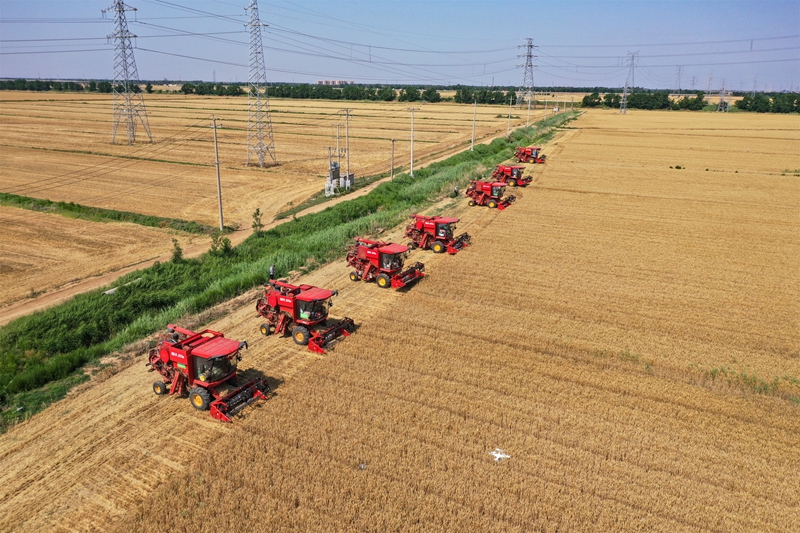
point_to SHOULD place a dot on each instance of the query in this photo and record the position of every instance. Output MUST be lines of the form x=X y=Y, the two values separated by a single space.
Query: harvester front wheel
x=300 y=335
x=159 y=388
x=471 y=203
x=264 y=329
x=200 y=398
x=491 y=204
x=413 y=245
x=437 y=247
x=383 y=281
x=513 y=183
x=354 y=276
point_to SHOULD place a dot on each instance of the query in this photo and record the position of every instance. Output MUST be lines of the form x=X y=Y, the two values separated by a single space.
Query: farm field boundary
x=51 y=345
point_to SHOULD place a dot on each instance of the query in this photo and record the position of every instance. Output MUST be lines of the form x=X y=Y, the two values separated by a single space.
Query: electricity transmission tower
x=128 y=105
x=722 y=105
x=753 y=93
x=680 y=69
x=526 y=88
x=629 y=83
x=259 y=122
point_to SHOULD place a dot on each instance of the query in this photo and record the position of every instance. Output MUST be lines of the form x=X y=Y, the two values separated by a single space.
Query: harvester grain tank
x=204 y=365
x=436 y=233
x=382 y=262
x=529 y=154
x=488 y=193
x=301 y=310
x=511 y=175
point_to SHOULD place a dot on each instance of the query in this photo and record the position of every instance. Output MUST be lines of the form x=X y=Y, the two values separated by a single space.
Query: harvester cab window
x=497 y=191
x=391 y=261
x=516 y=172
x=315 y=310
x=444 y=230
x=214 y=369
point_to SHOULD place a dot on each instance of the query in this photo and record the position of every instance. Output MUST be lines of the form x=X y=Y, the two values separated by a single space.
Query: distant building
x=335 y=82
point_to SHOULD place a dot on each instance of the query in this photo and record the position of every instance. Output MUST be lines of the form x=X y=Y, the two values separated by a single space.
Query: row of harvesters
x=204 y=365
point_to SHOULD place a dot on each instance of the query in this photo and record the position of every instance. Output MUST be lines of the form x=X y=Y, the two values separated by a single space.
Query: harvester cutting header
x=435 y=233
x=382 y=262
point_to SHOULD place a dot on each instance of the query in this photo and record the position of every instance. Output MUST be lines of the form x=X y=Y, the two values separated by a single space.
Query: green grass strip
x=98 y=214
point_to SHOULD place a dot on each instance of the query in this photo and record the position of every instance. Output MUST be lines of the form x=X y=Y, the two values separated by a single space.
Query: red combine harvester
x=298 y=309
x=204 y=364
x=489 y=194
x=435 y=233
x=382 y=262
x=512 y=175
x=530 y=154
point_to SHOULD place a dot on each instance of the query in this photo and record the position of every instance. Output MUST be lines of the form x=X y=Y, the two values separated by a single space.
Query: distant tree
x=612 y=100
x=187 y=88
x=431 y=95
x=92 y=86
x=409 y=94
x=386 y=94
x=591 y=100
x=149 y=88
x=511 y=94
x=258 y=225
x=104 y=87
x=177 y=251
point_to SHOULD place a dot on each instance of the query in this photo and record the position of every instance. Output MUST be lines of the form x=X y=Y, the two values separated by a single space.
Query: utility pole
x=508 y=127
x=680 y=68
x=412 y=109
x=527 y=74
x=346 y=112
x=528 y=121
x=629 y=83
x=219 y=183
x=338 y=150
x=259 y=122
x=694 y=80
x=128 y=105
x=474 y=112
x=392 y=160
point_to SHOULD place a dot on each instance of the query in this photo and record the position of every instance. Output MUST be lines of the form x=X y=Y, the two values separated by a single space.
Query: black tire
x=354 y=276
x=412 y=245
x=300 y=335
x=513 y=183
x=471 y=203
x=159 y=388
x=200 y=398
x=265 y=329
x=383 y=281
x=438 y=247
x=491 y=204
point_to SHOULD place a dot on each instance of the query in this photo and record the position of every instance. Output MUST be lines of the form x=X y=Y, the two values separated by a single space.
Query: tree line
x=779 y=103
x=72 y=86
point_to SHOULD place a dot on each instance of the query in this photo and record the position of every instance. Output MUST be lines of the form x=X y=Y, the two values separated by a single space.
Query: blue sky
x=581 y=43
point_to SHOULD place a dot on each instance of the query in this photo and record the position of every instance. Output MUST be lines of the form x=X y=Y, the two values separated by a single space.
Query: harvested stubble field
x=547 y=338
x=57 y=147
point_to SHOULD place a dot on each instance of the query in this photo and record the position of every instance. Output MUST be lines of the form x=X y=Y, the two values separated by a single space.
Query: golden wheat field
x=579 y=334
x=58 y=147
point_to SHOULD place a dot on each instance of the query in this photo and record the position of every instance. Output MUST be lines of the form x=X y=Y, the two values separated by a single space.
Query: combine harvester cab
x=529 y=154
x=301 y=310
x=489 y=194
x=436 y=233
x=511 y=175
x=204 y=365
x=382 y=262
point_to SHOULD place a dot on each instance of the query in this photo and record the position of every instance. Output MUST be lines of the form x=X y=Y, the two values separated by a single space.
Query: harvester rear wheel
x=159 y=388
x=200 y=398
x=300 y=335
x=491 y=204
x=437 y=247
x=412 y=245
x=354 y=276
x=471 y=203
x=383 y=281
x=265 y=329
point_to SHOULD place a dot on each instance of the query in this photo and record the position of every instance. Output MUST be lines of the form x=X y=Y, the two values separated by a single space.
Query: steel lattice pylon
x=128 y=105
x=259 y=123
x=629 y=82
x=526 y=88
